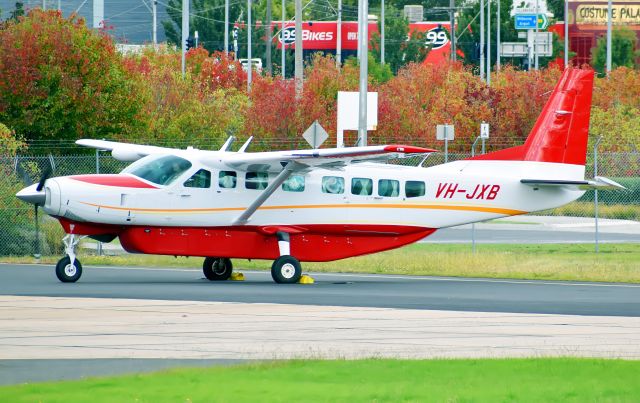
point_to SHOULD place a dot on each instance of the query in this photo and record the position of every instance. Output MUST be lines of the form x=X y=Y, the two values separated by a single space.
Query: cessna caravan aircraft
x=313 y=205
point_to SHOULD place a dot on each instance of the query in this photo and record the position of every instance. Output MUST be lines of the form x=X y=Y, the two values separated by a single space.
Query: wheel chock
x=306 y=279
x=237 y=277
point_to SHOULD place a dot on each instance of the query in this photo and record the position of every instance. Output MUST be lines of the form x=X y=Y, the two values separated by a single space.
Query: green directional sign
x=543 y=21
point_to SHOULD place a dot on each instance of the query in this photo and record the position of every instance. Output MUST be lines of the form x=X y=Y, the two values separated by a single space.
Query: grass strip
x=521 y=380
x=575 y=262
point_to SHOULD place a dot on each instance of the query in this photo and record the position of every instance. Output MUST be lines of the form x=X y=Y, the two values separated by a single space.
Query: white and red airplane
x=314 y=205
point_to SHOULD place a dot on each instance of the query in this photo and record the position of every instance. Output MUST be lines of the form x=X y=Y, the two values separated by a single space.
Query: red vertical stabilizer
x=562 y=129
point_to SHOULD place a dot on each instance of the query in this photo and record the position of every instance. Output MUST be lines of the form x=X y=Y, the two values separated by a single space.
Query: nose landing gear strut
x=69 y=269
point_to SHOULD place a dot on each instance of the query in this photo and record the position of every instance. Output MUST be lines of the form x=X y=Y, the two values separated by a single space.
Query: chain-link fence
x=17 y=219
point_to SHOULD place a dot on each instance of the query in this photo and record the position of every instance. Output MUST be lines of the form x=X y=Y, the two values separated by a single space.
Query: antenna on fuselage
x=227 y=144
x=245 y=145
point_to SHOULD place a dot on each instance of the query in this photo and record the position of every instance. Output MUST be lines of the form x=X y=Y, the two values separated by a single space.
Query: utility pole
x=298 y=52
x=489 y=42
x=226 y=27
x=282 y=58
x=154 y=35
x=60 y=5
x=249 y=61
x=452 y=22
x=185 y=33
x=609 y=24
x=363 y=45
x=498 y=55
x=382 y=32
x=269 y=39
x=339 y=36
x=566 y=33
x=98 y=12
x=44 y=5
x=482 y=40
x=535 y=38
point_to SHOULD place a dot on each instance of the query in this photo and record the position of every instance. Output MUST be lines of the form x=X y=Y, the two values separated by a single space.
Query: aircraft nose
x=31 y=195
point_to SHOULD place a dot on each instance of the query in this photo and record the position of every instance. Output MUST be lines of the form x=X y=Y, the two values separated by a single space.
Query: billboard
x=323 y=35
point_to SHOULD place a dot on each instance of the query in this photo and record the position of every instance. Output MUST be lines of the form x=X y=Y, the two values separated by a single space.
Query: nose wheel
x=217 y=269
x=69 y=269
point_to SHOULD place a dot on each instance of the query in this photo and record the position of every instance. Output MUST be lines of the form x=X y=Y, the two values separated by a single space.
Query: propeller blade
x=24 y=176
x=45 y=175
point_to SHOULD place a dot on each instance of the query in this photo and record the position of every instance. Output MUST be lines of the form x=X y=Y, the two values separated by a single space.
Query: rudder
x=561 y=132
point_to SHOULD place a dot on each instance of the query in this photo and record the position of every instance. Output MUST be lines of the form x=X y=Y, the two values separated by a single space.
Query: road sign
x=315 y=135
x=544 y=46
x=543 y=21
x=484 y=130
x=528 y=21
x=525 y=21
x=444 y=132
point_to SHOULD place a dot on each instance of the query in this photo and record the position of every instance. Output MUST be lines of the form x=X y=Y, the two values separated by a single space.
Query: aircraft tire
x=286 y=270
x=217 y=268
x=67 y=273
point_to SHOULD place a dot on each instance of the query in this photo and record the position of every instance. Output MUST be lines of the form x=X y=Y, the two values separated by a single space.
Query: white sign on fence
x=349 y=112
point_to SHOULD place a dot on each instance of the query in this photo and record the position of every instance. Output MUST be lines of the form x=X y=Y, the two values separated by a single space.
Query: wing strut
x=279 y=180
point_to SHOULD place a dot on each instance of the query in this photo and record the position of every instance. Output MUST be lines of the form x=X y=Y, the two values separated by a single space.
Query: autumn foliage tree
x=60 y=79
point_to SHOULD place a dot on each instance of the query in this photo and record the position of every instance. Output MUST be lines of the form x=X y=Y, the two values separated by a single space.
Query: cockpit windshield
x=161 y=170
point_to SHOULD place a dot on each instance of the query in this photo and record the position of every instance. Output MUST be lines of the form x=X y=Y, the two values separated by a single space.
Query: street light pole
x=566 y=33
x=609 y=24
x=338 y=36
x=364 y=50
x=226 y=27
x=249 y=61
x=382 y=32
x=185 y=33
x=482 y=40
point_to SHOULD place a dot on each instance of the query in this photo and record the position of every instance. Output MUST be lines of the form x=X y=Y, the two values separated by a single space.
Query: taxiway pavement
x=139 y=319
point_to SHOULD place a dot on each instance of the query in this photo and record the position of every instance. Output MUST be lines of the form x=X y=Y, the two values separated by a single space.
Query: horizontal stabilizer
x=599 y=182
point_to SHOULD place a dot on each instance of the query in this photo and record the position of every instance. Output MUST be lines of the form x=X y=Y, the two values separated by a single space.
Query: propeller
x=43 y=178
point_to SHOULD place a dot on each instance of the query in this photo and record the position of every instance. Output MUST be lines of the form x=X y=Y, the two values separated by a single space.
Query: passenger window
x=414 y=188
x=200 y=179
x=295 y=183
x=256 y=180
x=332 y=184
x=361 y=186
x=227 y=179
x=388 y=188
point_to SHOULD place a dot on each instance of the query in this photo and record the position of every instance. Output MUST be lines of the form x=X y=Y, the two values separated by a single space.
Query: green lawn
x=511 y=380
x=615 y=262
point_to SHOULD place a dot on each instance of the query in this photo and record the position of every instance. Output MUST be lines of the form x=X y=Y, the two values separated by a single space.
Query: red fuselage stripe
x=113 y=180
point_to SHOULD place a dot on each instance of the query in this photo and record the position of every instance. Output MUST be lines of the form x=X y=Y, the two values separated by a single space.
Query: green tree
x=61 y=79
x=400 y=48
x=207 y=17
x=623 y=50
x=18 y=11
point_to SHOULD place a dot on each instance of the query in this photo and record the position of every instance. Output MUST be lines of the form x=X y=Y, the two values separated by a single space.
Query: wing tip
x=400 y=148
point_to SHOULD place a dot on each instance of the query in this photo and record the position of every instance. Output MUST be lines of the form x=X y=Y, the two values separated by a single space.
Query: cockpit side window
x=161 y=170
x=200 y=179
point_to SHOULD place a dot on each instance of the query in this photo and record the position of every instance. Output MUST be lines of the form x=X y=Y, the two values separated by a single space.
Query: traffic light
x=190 y=43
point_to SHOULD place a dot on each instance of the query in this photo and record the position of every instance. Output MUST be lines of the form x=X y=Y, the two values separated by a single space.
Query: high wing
x=273 y=161
x=125 y=151
x=320 y=158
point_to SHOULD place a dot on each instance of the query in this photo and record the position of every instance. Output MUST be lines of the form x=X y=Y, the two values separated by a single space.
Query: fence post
x=99 y=244
x=473 y=225
x=595 y=194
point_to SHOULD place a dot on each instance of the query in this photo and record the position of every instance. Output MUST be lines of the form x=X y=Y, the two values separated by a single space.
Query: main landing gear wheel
x=217 y=269
x=67 y=272
x=286 y=270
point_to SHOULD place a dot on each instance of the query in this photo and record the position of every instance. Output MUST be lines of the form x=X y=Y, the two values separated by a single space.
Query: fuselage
x=367 y=206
